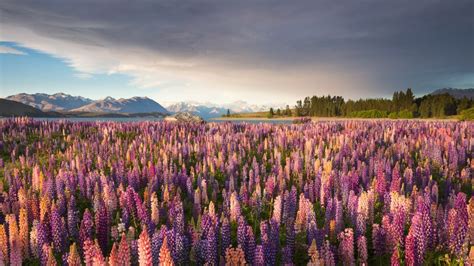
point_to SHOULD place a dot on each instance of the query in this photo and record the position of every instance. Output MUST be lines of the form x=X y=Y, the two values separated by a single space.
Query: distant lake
x=141 y=119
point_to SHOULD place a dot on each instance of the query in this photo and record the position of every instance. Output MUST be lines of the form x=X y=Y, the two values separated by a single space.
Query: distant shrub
x=374 y=113
x=393 y=115
x=405 y=114
x=468 y=114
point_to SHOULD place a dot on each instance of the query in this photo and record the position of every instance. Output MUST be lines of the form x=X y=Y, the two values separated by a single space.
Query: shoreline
x=316 y=119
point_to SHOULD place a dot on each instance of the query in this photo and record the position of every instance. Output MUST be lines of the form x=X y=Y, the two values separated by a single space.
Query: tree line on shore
x=402 y=105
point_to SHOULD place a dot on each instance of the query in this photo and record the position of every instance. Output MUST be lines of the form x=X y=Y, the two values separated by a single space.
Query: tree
x=288 y=111
x=270 y=113
x=228 y=113
x=278 y=112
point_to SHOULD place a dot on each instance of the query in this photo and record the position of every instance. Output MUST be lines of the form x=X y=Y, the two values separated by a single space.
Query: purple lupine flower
x=378 y=239
x=327 y=254
x=72 y=219
x=250 y=245
x=86 y=228
x=360 y=224
x=290 y=238
x=58 y=231
x=102 y=227
x=156 y=242
x=241 y=234
x=259 y=257
x=225 y=236
x=43 y=237
x=211 y=247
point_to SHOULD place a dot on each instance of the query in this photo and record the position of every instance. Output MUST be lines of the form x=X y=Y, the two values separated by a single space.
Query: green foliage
x=301 y=249
x=393 y=115
x=404 y=114
x=271 y=113
x=437 y=106
x=369 y=114
x=402 y=105
x=467 y=114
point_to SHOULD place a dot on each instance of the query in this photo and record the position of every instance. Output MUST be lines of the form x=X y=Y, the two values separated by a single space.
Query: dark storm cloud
x=389 y=44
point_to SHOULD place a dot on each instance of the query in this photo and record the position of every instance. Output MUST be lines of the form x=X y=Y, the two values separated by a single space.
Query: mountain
x=131 y=105
x=244 y=107
x=204 y=111
x=12 y=108
x=54 y=102
x=456 y=93
x=210 y=110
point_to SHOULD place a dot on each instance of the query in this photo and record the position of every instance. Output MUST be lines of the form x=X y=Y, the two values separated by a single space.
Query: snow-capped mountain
x=64 y=102
x=244 y=107
x=130 y=105
x=54 y=102
x=210 y=110
x=204 y=111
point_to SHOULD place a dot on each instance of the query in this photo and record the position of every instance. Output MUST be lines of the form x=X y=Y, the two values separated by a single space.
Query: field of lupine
x=148 y=193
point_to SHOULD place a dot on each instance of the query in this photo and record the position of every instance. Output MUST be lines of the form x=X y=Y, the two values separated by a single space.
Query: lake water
x=140 y=119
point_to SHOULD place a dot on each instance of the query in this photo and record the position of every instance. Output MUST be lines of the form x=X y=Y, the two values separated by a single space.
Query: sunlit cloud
x=10 y=50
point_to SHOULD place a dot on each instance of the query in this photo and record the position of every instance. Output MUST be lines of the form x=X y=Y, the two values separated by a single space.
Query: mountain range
x=131 y=105
x=61 y=102
x=210 y=110
x=12 y=108
x=54 y=102
x=65 y=103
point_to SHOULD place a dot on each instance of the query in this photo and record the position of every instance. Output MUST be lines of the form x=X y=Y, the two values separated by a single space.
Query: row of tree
x=403 y=104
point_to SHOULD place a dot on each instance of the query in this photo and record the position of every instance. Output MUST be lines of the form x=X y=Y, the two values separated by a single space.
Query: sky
x=222 y=51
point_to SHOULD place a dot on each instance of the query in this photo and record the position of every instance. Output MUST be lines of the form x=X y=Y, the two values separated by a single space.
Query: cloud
x=251 y=50
x=10 y=50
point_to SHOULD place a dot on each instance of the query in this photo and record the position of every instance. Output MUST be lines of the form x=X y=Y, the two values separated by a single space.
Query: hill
x=54 y=102
x=131 y=105
x=12 y=108
x=456 y=93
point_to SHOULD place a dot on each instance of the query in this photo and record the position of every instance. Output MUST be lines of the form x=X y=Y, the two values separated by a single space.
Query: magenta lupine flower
x=395 y=258
x=396 y=180
x=419 y=236
x=410 y=249
x=398 y=227
x=346 y=246
x=86 y=228
x=362 y=250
